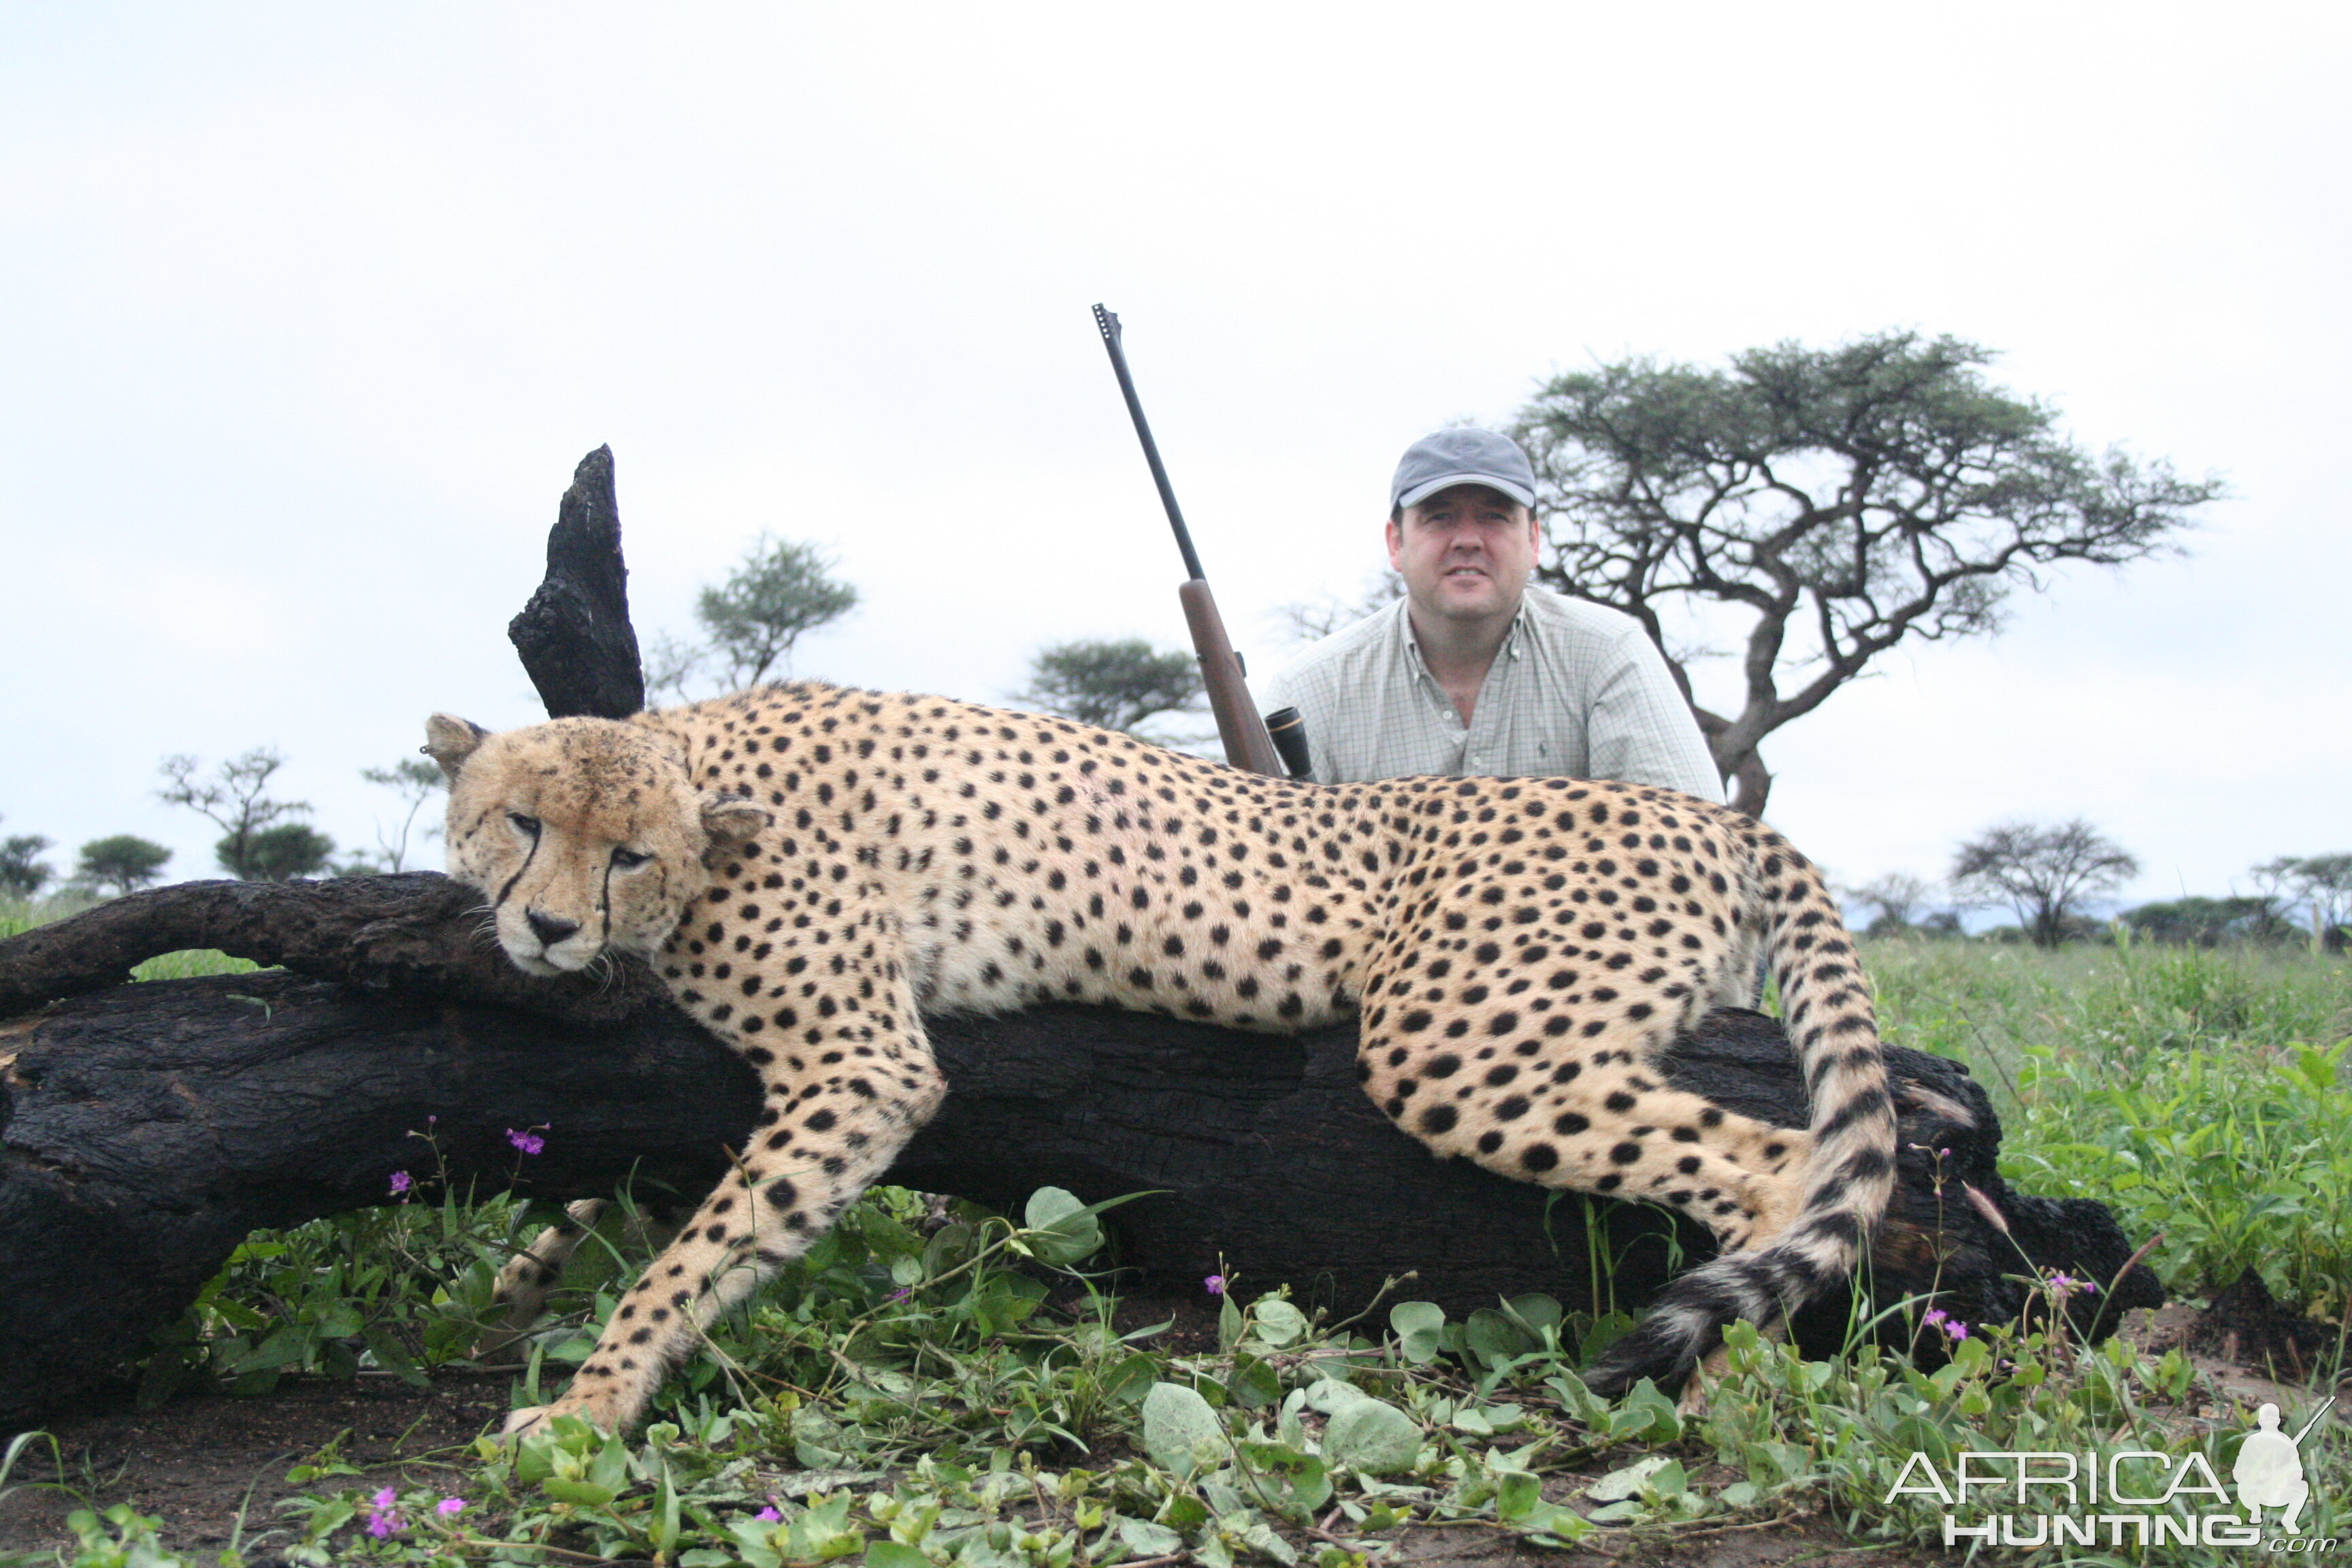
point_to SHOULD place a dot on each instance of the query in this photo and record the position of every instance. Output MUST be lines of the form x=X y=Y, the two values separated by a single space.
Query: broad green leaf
x=1062 y=1230
x=1143 y=1538
x=1372 y=1438
x=1179 y=1431
x=1646 y=1416
x=1278 y=1323
x=1251 y=1384
x=1493 y=1339
x=1535 y=1313
x=1626 y=1481
x=893 y=1554
x=1519 y=1495
x=1418 y=1326
x=1489 y=1420
x=1185 y=1511
x=1330 y=1396
x=587 y=1494
x=1259 y=1537
x=1129 y=1380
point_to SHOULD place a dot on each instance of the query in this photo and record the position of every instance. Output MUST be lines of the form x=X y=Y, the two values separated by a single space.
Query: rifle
x=1243 y=733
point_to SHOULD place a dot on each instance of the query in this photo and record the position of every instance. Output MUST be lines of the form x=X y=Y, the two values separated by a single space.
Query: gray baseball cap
x=1463 y=457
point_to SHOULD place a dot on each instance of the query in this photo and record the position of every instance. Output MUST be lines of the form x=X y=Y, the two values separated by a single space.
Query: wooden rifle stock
x=1239 y=725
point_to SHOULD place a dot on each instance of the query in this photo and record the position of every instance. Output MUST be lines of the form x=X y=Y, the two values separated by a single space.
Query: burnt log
x=145 y=1130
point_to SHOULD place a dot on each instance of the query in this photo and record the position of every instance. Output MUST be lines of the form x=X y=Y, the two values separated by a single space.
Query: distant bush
x=277 y=854
x=2208 y=922
x=23 y=873
x=123 y=863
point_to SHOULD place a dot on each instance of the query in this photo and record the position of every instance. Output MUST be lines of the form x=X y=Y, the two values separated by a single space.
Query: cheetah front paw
x=530 y=1419
x=607 y=1415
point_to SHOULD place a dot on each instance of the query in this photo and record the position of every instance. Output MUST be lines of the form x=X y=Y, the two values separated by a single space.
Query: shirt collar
x=1514 y=641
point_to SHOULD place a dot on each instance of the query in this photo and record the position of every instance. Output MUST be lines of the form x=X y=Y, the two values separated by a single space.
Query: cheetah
x=812 y=869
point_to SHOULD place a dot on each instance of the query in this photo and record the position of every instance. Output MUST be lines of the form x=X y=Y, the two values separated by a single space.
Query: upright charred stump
x=574 y=634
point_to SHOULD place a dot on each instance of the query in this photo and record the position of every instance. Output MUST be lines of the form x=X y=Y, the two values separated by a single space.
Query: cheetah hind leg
x=1716 y=1367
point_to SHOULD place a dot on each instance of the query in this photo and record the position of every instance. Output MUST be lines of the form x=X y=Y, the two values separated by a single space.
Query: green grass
x=905 y=1399
x=2204 y=1094
x=19 y=915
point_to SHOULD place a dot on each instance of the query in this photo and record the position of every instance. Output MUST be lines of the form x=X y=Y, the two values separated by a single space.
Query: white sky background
x=306 y=314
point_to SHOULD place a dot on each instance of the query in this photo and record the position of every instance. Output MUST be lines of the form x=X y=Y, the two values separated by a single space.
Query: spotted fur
x=812 y=869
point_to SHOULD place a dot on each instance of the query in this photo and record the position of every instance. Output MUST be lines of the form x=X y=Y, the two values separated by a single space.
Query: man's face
x=1464 y=553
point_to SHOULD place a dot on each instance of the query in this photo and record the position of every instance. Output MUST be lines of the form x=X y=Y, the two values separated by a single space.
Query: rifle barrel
x=1109 y=321
x=1243 y=733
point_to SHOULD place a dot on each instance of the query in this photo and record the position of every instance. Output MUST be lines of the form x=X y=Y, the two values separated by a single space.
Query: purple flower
x=1214 y=1284
x=768 y=1515
x=450 y=1507
x=2065 y=1285
x=1937 y=1317
x=900 y=1294
x=401 y=1182
x=528 y=1142
x=383 y=1518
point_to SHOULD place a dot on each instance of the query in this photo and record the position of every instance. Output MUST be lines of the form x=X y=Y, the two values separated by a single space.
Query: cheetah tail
x=1849 y=1177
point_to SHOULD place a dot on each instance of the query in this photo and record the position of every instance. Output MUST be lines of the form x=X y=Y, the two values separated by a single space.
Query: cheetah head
x=589 y=835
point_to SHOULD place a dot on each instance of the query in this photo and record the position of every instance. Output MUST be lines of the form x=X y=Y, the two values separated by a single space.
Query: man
x=1474 y=672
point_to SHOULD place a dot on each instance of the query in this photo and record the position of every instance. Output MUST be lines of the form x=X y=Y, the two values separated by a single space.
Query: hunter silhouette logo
x=2269 y=1471
x=2157 y=1499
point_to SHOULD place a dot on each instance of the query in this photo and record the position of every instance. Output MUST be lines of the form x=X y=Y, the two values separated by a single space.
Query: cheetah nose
x=548 y=929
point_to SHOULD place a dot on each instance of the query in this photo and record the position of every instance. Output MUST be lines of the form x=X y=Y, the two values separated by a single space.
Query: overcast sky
x=307 y=312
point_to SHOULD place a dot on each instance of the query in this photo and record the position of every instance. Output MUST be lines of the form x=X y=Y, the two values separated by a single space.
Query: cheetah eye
x=528 y=825
x=625 y=858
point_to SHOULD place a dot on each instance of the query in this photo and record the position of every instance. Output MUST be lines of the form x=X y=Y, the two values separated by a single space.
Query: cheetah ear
x=449 y=741
x=731 y=820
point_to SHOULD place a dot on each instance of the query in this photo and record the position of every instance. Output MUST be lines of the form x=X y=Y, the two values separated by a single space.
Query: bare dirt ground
x=201 y=1461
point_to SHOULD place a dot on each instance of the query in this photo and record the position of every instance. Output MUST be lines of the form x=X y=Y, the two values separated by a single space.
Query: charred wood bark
x=574 y=634
x=145 y=1130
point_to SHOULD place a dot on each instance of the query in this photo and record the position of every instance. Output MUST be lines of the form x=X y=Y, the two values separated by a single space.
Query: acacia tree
x=280 y=854
x=2322 y=884
x=780 y=592
x=233 y=799
x=1111 y=683
x=1310 y=619
x=416 y=781
x=1899 y=898
x=2045 y=873
x=1838 y=500
x=124 y=862
x=23 y=872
